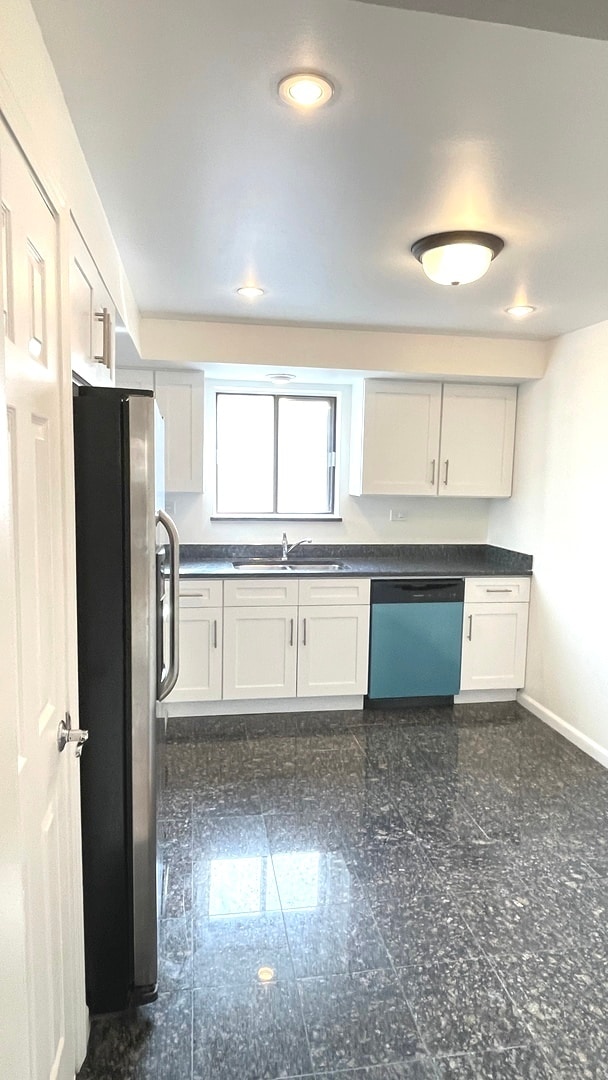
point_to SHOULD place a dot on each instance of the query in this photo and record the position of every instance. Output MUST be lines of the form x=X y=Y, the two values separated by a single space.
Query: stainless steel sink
x=265 y=566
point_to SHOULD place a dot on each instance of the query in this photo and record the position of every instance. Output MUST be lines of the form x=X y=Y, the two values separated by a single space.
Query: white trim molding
x=571 y=733
x=469 y=697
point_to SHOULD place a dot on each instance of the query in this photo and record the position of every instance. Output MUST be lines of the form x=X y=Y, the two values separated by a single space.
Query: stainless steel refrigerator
x=122 y=577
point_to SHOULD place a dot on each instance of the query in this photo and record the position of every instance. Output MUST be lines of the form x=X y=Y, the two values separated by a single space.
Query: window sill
x=275 y=517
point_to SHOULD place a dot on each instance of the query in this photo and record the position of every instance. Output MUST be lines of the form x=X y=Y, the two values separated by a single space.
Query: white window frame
x=213 y=389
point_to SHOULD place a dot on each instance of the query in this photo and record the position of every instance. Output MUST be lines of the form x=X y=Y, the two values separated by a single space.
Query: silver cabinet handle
x=304 y=631
x=166 y=684
x=215 y=633
x=470 y=633
x=105 y=318
x=433 y=464
x=499 y=590
x=291 y=627
x=447 y=468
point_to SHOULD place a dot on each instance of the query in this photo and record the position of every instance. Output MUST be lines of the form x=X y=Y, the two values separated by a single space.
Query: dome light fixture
x=457 y=258
x=280 y=377
x=250 y=291
x=519 y=311
x=305 y=90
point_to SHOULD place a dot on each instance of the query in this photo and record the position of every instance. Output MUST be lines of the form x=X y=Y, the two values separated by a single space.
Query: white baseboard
x=469 y=697
x=265 y=705
x=572 y=734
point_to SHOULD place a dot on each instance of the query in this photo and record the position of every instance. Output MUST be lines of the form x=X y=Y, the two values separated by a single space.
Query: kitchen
x=556 y=511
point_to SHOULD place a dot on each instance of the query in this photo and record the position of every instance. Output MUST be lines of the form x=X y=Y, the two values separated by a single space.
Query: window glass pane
x=303 y=448
x=245 y=453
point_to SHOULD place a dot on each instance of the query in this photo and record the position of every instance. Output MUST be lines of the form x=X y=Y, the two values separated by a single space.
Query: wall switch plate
x=398 y=515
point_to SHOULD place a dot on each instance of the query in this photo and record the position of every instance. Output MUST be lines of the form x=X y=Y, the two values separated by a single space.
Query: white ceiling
x=208 y=180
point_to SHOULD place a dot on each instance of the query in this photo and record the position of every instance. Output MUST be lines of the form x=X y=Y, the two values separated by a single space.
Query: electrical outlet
x=398 y=515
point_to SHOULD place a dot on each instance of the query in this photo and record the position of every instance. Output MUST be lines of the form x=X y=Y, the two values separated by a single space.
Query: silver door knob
x=67 y=734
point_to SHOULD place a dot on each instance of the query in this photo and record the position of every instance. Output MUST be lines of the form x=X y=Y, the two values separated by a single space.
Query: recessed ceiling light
x=266 y=974
x=519 y=311
x=457 y=258
x=305 y=89
x=280 y=377
x=250 y=291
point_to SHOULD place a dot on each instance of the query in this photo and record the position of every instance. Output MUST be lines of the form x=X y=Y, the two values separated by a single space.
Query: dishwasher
x=415 y=641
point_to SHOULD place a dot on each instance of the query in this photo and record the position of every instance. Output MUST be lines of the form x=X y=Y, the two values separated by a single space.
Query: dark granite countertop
x=362 y=560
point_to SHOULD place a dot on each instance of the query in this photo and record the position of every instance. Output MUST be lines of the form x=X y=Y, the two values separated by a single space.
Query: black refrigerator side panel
x=102 y=574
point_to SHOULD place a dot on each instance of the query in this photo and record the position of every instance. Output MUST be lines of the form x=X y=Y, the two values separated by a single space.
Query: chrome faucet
x=287 y=548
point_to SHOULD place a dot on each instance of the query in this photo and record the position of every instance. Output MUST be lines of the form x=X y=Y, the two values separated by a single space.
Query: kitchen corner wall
x=559 y=513
x=430 y=520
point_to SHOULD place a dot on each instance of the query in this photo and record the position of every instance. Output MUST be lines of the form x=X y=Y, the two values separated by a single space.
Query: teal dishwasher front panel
x=415 y=650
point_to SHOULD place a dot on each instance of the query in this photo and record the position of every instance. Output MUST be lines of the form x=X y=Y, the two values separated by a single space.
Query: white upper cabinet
x=395 y=445
x=180 y=399
x=411 y=438
x=477 y=440
x=92 y=317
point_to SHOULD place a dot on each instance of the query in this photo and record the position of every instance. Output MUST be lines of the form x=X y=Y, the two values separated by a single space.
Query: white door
x=401 y=439
x=494 y=646
x=260 y=648
x=477 y=440
x=333 y=650
x=41 y=893
x=200 y=653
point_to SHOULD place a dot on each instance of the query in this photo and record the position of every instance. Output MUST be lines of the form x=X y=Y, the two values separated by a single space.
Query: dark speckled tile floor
x=415 y=895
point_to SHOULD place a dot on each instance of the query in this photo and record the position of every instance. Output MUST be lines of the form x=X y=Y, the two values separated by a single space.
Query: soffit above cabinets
x=209 y=181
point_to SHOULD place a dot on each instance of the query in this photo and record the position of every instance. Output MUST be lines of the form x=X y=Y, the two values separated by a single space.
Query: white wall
x=365 y=520
x=559 y=514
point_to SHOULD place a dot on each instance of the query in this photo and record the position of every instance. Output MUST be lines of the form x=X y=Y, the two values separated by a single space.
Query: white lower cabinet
x=201 y=618
x=200 y=655
x=333 y=650
x=260 y=652
x=494 y=646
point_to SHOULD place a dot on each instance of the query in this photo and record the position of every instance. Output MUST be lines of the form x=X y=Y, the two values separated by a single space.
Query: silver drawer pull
x=470 y=633
x=447 y=469
x=215 y=633
x=291 y=624
x=303 y=631
x=433 y=464
x=499 y=590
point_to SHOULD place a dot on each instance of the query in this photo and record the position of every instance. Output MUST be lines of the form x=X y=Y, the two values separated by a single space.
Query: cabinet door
x=92 y=317
x=400 y=444
x=260 y=650
x=494 y=646
x=180 y=399
x=200 y=648
x=477 y=440
x=333 y=650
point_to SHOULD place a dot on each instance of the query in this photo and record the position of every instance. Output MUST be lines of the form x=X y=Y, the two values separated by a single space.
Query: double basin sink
x=265 y=566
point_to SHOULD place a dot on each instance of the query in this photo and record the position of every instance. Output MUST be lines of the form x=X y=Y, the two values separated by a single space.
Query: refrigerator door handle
x=166 y=684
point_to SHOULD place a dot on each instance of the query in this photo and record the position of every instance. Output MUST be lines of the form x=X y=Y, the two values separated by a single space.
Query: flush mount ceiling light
x=280 y=377
x=457 y=258
x=305 y=89
x=250 y=291
x=519 y=311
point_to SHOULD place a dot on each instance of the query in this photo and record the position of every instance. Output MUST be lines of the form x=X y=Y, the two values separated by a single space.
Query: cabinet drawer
x=197 y=593
x=253 y=592
x=496 y=590
x=334 y=591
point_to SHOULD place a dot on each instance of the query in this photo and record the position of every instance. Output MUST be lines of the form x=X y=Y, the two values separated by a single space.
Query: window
x=275 y=455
